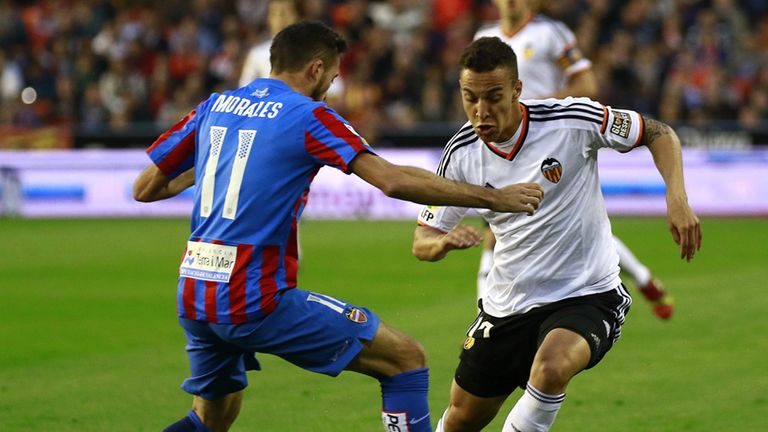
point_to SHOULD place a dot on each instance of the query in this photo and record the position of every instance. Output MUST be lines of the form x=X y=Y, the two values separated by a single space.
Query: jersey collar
x=516 y=142
x=518 y=28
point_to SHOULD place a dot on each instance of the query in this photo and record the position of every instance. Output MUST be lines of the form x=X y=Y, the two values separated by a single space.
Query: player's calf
x=190 y=423
x=399 y=363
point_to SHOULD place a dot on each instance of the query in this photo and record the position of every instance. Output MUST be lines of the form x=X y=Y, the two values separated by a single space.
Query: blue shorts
x=312 y=331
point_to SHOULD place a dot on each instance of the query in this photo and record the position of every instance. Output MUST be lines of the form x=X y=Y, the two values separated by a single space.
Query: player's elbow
x=418 y=254
x=141 y=196
x=393 y=187
x=141 y=193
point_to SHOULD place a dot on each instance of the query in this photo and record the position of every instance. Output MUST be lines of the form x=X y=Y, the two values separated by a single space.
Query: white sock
x=439 y=427
x=534 y=411
x=630 y=264
x=486 y=262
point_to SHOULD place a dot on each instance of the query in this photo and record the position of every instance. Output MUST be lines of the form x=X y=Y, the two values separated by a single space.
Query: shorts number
x=485 y=326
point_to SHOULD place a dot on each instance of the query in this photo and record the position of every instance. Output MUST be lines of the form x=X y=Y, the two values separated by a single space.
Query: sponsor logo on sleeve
x=622 y=123
x=552 y=169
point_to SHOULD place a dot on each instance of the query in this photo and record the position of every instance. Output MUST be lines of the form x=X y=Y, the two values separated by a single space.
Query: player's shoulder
x=567 y=102
x=461 y=145
x=464 y=137
x=550 y=27
x=575 y=112
x=545 y=21
x=491 y=29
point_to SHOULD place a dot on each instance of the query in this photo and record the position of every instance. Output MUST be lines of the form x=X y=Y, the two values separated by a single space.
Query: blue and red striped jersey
x=255 y=151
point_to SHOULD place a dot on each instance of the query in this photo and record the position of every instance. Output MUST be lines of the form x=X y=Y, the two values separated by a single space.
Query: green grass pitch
x=89 y=339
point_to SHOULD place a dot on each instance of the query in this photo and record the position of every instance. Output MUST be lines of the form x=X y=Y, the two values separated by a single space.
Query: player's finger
x=532 y=201
x=534 y=189
x=675 y=234
x=698 y=235
x=683 y=244
x=464 y=238
x=528 y=208
x=691 y=242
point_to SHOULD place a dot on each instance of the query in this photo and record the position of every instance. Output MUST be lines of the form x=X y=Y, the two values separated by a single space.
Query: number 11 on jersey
x=244 y=142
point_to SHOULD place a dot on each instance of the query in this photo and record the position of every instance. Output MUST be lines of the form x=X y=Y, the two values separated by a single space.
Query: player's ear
x=517 y=89
x=316 y=69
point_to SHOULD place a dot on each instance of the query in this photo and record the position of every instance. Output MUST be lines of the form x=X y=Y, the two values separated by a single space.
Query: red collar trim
x=519 y=28
x=523 y=133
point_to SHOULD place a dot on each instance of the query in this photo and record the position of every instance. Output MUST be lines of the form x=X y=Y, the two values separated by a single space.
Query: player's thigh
x=560 y=356
x=314 y=331
x=497 y=354
x=596 y=319
x=217 y=368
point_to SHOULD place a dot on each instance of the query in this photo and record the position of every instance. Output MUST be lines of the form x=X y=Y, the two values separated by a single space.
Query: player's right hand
x=520 y=197
x=461 y=237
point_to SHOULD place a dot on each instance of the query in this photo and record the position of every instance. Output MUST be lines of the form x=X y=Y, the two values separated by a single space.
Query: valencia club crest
x=552 y=169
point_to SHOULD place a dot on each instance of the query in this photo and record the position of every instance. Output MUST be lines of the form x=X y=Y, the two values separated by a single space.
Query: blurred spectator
x=11 y=78
x=110 y=62
x=280 y=14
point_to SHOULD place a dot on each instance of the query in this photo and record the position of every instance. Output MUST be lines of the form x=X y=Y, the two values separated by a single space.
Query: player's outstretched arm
x=664 y=145
x=580 y=84
x=430 y=244
x=421 y=186
x=153 y=185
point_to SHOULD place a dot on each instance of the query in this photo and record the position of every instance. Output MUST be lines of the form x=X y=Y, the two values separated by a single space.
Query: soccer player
x=280 y=14
x=551 y=65
x=251 y=154
x=554 y=303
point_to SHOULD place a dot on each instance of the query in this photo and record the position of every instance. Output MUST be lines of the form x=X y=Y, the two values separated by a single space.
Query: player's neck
x=517 y=117
x=296 y=81
x=511 y=25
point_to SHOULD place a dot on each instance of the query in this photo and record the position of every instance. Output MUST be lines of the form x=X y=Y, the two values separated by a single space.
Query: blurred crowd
x=93 y=63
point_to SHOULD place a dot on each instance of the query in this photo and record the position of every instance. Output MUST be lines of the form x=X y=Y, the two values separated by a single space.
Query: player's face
x=490 y=102
x=325 y=80
x=512 y=9
x=280 y=15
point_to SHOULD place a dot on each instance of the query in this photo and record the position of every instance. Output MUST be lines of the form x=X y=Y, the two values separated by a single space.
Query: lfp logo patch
x=552 y=170
x=356 y=315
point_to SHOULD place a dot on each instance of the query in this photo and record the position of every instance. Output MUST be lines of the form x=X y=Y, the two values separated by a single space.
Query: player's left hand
x=684 y=226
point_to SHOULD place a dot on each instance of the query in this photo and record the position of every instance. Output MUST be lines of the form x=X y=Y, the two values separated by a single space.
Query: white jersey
x=256 y=64
x=547 y=55
x=565 y=249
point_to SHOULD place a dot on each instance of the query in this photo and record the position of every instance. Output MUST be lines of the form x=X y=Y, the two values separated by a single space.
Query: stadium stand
x=117 y=72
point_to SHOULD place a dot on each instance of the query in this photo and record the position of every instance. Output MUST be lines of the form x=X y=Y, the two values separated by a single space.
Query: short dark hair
x=487 y=54
x=302 y=42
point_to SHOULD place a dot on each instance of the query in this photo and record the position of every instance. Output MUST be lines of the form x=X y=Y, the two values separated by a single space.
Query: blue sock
x=190 y=423
x=405 y=406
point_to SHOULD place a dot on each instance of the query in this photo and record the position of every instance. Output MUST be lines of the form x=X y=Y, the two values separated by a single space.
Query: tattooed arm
x=664 y=145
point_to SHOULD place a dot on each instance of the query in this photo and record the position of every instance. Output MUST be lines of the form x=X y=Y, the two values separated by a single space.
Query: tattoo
x=654 y=129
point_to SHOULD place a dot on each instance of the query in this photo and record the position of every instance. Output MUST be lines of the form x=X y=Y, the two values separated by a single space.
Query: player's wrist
x=676 y=199
x=494 y=198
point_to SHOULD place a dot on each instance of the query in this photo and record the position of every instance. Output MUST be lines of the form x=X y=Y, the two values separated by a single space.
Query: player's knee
x=411 y=355
x=462 y=420
x=551 y=375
